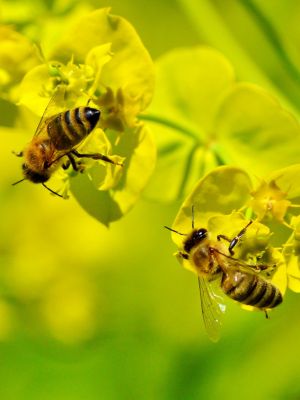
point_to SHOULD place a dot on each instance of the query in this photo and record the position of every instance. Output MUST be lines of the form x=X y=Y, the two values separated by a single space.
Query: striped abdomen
x=251 y=290
x=69 y=128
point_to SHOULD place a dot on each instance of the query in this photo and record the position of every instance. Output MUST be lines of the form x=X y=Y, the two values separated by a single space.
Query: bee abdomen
x=251 y=290
x=69 y=128
x=271 y=298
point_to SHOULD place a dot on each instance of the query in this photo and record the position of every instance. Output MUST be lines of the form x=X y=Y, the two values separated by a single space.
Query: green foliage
x=220 y=192
x=110 y=204
x=190 y=84
x=270 y=58
x=100 y=58
x=77 y=302
x=17 y=56
x=203 y=118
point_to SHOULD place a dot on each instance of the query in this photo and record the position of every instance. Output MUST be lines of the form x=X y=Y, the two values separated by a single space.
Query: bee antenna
x=21 y=180
x=173 y=230
x=52 y=191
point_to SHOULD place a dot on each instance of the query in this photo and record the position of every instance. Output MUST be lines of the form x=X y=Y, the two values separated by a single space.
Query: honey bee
x=214 y=262
x=58 y=136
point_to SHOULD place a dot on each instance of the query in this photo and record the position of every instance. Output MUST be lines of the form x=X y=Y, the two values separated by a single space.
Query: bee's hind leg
x=94 y=156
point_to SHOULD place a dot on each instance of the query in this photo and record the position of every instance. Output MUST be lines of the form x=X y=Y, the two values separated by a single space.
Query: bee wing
x=230 y=264
x=54 y=106
x=212 y=308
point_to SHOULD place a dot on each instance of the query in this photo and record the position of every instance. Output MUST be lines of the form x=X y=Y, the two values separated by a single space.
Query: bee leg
x=266 y=314
x=236 y=239
x=94 y=156
x=20 y=154
x=183 y=255
x=219 y=237
x=66 y=165
x=72 y=162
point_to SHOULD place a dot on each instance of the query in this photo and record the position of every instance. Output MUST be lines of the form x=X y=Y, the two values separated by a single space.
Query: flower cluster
x=99 y=59
x=226 y=199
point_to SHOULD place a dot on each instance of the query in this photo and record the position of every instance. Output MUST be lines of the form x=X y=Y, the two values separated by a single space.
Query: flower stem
x=173 y=125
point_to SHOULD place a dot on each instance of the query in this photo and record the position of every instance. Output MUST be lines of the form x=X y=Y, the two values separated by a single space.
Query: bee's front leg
x=19 y=154
x=219 y=237
x=66 y=165
x=72 y=162
x=183 y=255
x=77 y=166
x=233 y=242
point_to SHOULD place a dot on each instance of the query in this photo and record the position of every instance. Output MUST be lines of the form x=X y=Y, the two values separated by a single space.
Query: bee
x=56 y=137
x=214 y=261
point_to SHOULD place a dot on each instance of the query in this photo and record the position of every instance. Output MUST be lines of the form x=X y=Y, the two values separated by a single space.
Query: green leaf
x=262 y=60
x=220 y=192
x=253 y=130
x=173 y=167
x=190 y=85
x=17 y=56
x=30 y=93
x=201 y=120
x=99 y=204
x=138 y=149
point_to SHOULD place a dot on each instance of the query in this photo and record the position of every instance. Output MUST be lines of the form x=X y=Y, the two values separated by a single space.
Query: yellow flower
x=100 y=60
x=17 y=56
x=269 y=201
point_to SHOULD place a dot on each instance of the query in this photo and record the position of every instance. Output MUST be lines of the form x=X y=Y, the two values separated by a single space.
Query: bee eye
x=194 y=239
x=200 y=234
x=92 y=115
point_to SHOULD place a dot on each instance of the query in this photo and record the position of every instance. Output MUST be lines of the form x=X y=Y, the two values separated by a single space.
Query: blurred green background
x=91 y=313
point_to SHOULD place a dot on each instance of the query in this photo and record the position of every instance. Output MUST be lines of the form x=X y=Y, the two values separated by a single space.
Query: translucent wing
x=54 y=107
x=229 y=263
x=212 y=308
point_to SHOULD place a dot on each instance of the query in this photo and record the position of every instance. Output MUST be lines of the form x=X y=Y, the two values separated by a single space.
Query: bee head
x=92 y=115
x=196 y=236
x=34 y=176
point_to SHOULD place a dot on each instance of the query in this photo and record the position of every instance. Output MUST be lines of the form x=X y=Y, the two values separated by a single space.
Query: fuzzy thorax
x=38 y=160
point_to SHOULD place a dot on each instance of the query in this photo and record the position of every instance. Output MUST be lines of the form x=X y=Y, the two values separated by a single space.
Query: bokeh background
x=90 y=313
